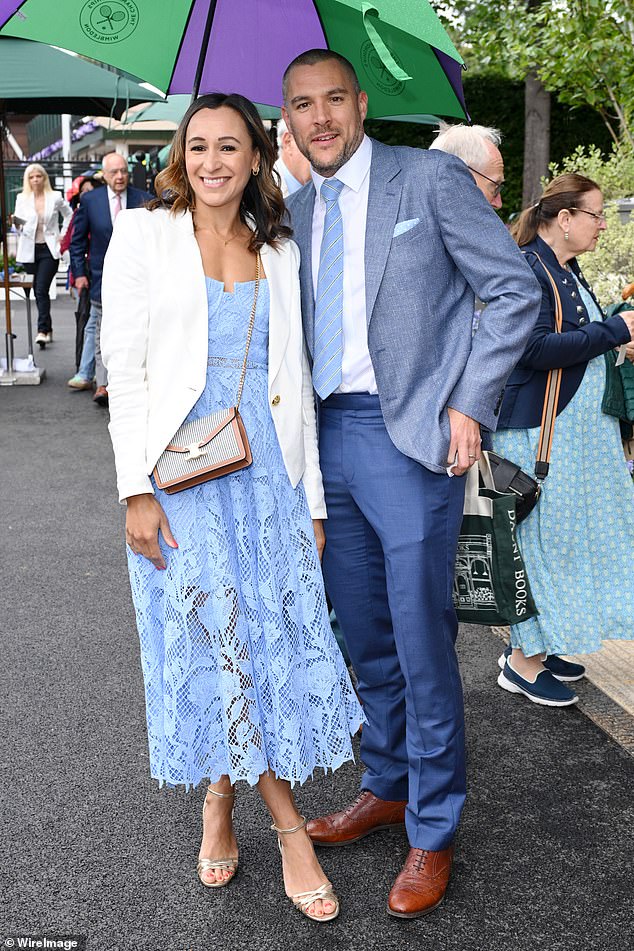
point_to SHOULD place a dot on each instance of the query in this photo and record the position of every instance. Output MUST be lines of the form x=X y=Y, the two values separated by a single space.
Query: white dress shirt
x=357 y=373
x=112 y=198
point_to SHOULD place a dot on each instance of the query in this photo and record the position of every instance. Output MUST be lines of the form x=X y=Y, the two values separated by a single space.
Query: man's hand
x=464 y=448
x=144 y=519
x=320 y=536
x=81 y=283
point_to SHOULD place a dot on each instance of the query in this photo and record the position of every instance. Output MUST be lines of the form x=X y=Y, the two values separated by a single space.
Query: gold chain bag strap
x=212 y=446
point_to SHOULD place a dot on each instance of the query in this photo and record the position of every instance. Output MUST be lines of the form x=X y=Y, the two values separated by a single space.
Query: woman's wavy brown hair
x=563 y=192
x=262 y=205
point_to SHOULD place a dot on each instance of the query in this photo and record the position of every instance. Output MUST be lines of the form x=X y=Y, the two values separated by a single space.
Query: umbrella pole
x=203 y=48
x=8 y=377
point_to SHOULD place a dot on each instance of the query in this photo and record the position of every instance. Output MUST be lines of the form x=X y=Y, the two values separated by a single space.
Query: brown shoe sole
x=414 y=914
x=334 y=845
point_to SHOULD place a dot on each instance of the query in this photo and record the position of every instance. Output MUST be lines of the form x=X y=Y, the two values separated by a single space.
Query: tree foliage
x=582 y=50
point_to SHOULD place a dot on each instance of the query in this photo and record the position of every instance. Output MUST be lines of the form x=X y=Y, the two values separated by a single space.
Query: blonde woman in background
x=37 y=218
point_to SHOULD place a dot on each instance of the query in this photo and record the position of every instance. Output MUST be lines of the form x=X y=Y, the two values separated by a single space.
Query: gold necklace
x=216 y=235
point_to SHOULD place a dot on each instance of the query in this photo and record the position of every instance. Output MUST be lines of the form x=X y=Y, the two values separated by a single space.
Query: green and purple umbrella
x=404 y=59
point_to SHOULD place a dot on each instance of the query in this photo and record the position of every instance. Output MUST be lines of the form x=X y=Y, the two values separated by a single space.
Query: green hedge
x=497 y=102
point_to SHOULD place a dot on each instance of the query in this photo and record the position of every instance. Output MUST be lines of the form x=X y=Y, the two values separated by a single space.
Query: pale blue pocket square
x=404 y=226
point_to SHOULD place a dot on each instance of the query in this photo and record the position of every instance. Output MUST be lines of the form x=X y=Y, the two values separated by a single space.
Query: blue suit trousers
x=391 y=539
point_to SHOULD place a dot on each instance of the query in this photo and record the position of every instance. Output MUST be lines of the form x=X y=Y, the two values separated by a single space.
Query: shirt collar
x=112 y=194
x=354 y=172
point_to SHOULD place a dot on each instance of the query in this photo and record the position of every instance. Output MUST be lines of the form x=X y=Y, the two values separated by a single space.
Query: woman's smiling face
x=219 y=156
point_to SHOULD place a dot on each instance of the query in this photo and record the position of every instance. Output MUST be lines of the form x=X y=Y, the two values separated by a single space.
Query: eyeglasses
x=593 y=214
x=498 y=185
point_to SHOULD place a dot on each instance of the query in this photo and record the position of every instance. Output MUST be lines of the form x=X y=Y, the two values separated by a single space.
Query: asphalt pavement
x=91 y=845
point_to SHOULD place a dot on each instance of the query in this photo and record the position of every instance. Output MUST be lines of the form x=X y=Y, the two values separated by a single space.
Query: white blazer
x=55 y=205
x=154 y=341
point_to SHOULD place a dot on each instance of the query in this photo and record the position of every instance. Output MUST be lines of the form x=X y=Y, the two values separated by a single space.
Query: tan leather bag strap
x=551 y=398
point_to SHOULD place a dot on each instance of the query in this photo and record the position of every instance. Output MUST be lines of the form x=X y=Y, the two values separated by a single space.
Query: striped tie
x=328 y=346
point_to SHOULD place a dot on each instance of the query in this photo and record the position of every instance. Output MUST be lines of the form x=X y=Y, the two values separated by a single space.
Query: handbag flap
x=181 y=441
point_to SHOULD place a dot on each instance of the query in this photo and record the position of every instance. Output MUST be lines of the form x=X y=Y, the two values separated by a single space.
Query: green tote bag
x=490 y=582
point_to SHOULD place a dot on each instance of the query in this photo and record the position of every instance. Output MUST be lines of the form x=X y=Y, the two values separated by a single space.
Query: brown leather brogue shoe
x=366 y=814
x=421 y=884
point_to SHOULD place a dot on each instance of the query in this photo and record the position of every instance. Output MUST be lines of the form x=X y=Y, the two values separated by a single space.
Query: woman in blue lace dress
x=243 y=677
x=578 y=542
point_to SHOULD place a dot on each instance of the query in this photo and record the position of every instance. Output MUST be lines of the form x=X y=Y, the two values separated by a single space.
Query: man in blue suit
x=394 y=243
x=92 y=230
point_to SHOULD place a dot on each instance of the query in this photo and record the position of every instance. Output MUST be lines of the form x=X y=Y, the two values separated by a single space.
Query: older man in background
x=479 y=148
x=91 y=236
x=291 y=166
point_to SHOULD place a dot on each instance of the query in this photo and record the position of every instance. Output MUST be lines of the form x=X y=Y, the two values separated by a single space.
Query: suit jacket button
x=275 y=400
x=580 y=309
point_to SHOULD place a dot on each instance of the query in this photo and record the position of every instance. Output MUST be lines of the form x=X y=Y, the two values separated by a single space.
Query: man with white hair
x=291 y=166
x=478 y=147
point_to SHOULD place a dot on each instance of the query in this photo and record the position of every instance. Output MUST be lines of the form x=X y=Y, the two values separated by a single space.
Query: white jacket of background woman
x=55 y=206
x=154 y=341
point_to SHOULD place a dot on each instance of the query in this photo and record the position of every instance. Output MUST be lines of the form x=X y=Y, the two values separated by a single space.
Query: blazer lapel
x=302 y=224
x=276 y=270
x=187 y=266
x=383 y=204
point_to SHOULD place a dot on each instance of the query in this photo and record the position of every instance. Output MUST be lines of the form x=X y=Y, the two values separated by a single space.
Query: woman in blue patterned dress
x=243 y=677
x=579 y=540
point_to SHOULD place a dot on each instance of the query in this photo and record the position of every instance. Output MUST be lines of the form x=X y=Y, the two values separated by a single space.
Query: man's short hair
x=312 y=58
x=468 y=142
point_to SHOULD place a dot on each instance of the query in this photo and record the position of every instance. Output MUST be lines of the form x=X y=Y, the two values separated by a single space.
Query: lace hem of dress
x=253 y=776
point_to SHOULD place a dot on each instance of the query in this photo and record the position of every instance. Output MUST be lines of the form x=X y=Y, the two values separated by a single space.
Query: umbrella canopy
x=36 y=78
x=404 y=59
x=174 y=108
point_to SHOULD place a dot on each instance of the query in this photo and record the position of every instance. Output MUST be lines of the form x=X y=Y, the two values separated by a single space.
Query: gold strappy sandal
x=207 y=865
x=303 y=900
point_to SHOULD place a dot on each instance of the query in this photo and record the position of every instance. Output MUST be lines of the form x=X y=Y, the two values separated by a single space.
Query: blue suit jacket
x=92 y=231
x=579 y=342
x=420 y=287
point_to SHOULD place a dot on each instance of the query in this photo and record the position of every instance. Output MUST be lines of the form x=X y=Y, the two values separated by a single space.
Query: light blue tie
x=328 y=345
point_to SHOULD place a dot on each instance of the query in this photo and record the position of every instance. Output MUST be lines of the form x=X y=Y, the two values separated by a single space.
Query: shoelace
x=362 y=795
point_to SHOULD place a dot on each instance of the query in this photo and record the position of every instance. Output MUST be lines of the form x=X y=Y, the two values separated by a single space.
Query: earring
x=255 y=171
x=566 y=235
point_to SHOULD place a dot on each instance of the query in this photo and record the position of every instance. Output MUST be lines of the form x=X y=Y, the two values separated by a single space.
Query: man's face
x=115 y=172
x=490 y=176
x=325 y=114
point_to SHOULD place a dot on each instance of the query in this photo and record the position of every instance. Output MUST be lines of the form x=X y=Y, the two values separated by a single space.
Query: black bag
x=507 y=475
x=509 y=478
x=81 y=319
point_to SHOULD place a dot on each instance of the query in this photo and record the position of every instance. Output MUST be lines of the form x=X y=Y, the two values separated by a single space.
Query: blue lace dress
x=241 y=668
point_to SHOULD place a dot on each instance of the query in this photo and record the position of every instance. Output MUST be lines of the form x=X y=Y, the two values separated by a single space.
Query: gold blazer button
x=275 y=400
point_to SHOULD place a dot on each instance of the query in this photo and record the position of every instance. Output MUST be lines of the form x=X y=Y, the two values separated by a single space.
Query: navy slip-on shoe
x=563 y=670
x=546 y=690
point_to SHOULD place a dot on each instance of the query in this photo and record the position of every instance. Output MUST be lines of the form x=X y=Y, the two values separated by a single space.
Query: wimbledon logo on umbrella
x=379 y=73
x=109 y=22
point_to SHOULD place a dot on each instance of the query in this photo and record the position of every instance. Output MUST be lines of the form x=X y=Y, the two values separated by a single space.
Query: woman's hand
x=320 y=536
x=144 y=519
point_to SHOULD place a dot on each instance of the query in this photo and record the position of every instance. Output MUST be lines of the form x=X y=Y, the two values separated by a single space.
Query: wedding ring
x=471 y=457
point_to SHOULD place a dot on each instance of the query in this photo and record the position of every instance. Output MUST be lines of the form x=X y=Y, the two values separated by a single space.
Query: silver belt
x=234 y=363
